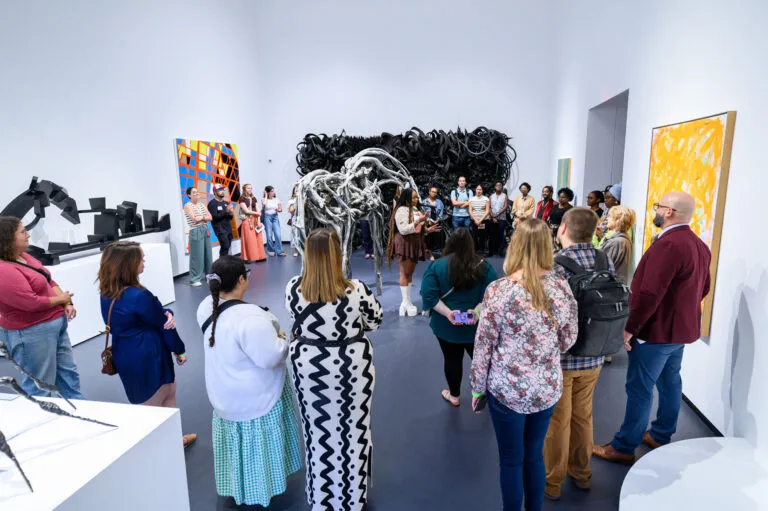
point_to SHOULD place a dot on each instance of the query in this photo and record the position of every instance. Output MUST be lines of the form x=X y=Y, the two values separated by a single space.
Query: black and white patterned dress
x=333 y=375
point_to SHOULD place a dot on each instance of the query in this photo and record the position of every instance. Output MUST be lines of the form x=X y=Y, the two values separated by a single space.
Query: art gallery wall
x=681 y=61
x=369 y=67
x=604 y=155
x=94 y=95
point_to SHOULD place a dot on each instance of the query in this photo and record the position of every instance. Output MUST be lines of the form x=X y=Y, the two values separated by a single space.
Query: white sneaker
x=403 y=309
x=295 y=254
x=412 y=310
x=195 y=284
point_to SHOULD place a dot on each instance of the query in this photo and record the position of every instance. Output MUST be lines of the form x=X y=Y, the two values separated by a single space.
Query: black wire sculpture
x=437 y=158
x=47 y=406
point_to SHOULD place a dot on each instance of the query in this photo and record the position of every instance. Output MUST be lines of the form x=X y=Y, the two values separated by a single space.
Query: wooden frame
x=694 y=156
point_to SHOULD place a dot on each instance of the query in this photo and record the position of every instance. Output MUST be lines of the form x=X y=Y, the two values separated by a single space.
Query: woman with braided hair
x=255 y=429
x=406 y=243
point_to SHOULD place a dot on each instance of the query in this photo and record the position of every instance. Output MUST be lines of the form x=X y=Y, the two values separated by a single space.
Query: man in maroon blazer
x=544 y=206
x=665 y=314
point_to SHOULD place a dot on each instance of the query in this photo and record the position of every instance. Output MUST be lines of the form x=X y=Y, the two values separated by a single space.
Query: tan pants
x=568 y=446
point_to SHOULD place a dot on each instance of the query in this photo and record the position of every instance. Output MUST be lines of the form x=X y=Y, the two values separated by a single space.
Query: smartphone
x=481 y=402
x=465 y=318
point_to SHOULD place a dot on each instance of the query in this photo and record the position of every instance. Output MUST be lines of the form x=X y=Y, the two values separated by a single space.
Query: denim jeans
x=44 y=351
x=200 y=257
x=649 y=365
x=461 y=221
x=521 y=461
x=274 y=238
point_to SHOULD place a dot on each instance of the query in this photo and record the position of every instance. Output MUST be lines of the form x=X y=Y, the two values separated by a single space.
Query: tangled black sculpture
x=436 y=158
x=10 y=382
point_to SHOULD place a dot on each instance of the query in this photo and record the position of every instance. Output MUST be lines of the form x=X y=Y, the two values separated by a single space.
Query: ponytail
x=215 y=285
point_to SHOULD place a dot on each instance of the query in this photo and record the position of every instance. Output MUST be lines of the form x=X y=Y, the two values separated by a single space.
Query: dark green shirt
x=435 y=283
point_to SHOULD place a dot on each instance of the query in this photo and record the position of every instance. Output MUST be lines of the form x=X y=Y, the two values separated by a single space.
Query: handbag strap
x=109 y=323
x=38 y=270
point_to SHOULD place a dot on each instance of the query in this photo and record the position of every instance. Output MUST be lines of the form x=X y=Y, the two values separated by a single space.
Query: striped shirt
x=584 y=254
x=199 y=210
x=478 y=204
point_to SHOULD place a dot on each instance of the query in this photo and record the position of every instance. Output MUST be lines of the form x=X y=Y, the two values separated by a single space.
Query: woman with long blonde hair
x=333 y=373
x=527 y=319
x=251 y=228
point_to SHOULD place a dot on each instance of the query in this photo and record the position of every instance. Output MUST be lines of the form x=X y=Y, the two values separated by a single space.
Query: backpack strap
x=601 y=261
x=570 y=265
x=226 y=305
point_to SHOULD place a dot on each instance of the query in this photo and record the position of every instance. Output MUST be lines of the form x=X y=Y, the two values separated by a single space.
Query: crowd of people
x=532 y=362
x=257 y=221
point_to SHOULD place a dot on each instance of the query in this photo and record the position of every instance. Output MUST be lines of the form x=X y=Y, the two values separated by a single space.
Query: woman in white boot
x=406 y=243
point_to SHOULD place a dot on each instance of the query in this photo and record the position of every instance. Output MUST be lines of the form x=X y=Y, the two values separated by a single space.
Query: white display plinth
x=78 y=276
x=703 y=474
x=78 y=466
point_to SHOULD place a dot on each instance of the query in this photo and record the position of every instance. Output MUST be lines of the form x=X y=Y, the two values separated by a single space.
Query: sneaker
x=195 y=284
x=295 y=254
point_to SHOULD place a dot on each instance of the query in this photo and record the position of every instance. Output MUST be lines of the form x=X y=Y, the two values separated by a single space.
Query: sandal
x=448 y=397
x=188 y=440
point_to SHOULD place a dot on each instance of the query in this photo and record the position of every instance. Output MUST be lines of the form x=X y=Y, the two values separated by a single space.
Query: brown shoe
x=189 y=439
x=581 y=485
x=608 y=453
x=649 y=441
x=552 y=492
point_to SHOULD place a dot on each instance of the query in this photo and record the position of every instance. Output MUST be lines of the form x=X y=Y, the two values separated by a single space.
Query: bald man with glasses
x=669 y=285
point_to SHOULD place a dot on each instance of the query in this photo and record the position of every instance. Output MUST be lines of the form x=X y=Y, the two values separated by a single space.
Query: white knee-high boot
x=407 y=308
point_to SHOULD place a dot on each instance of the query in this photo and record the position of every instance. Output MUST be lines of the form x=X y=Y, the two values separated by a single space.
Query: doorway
x=606 y=134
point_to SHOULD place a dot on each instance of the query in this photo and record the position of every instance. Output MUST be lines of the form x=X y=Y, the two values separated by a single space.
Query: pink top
x=24 y=301
x=517 y=348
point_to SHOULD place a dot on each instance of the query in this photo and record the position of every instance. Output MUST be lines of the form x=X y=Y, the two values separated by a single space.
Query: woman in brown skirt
x=406 y=243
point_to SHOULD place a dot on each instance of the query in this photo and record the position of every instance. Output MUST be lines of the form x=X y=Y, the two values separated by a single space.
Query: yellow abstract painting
x=693 y=157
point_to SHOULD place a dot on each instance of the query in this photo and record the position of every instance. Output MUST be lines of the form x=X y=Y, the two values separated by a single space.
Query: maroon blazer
x=670 y=282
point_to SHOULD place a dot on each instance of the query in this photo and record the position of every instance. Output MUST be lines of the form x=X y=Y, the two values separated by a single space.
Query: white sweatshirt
x=245 y=369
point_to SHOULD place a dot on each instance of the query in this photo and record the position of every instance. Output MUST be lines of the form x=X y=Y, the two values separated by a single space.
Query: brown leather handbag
x=107 y=364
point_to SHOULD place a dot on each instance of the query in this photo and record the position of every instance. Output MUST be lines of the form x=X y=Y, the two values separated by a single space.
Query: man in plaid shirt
x=568 y=446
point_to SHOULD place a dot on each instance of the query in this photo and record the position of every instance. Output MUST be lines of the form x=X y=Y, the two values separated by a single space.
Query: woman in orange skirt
x=251 y=228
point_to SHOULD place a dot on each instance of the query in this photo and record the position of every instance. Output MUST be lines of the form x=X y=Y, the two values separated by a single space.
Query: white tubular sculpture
x=338 y=200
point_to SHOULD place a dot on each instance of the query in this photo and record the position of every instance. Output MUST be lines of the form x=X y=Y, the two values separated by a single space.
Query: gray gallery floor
x=427 y=455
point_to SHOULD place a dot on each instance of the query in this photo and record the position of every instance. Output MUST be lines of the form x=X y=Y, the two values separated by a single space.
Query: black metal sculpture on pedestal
x=109 y=225
x=47 y=406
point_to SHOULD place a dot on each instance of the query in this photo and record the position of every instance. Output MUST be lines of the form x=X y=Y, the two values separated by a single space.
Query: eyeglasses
x=657 y=206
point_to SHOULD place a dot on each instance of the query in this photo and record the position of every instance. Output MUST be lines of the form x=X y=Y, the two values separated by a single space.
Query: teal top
x=435 y=283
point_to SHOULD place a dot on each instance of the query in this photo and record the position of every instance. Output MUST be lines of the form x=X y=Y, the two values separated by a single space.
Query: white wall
x=681 y=61
x=375 y=66
x=94 y=93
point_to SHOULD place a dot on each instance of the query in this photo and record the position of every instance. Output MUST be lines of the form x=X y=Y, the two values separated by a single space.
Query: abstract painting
x=693 y=157
x=202 y=164
x=563 y=174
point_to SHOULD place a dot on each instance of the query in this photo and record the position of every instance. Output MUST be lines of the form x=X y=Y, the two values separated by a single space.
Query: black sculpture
x=6 y=449
x=108 y=224
x=437 y=158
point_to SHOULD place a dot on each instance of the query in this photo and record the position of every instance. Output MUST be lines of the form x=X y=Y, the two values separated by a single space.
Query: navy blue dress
x=141 y=348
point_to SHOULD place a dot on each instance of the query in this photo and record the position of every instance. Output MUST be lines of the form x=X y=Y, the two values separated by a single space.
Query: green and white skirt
x=253 y=458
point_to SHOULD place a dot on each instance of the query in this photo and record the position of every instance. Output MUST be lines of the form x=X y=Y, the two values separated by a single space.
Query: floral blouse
x=517 y=348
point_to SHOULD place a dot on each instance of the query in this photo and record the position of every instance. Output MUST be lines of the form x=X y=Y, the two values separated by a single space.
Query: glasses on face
x=658 y=206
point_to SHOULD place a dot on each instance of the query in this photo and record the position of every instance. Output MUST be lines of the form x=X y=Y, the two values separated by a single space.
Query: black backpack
x=603 y=303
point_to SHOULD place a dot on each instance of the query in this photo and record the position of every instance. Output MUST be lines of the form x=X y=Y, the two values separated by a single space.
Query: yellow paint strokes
x=687 y=157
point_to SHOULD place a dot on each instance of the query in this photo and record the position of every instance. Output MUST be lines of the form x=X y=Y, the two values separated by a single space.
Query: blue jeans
x=461 y=221
x=44 y=351
x=521 y=444
x=649 y=365
x=274 y=238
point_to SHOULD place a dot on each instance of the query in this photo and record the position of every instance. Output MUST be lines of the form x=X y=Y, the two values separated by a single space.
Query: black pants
x=496 y=234
x=225 y=239
x=481 y=237
x=365 y=231
x=453 y=356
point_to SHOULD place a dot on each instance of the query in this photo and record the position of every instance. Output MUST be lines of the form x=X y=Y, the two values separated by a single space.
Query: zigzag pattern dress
x=334 y=377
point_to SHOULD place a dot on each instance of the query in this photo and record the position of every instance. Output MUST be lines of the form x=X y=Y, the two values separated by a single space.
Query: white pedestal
x=702 y=474
x=78 y=466
x=78 y=276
